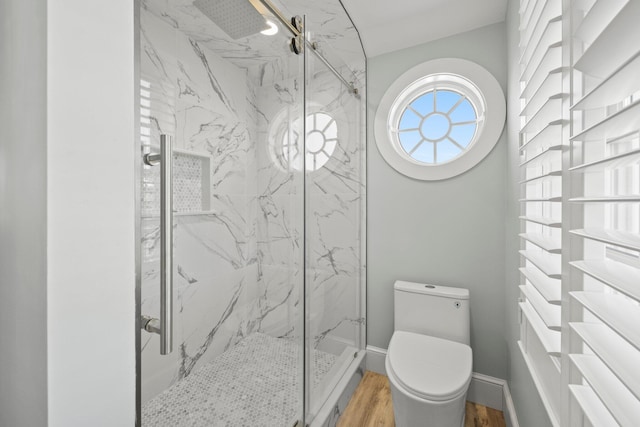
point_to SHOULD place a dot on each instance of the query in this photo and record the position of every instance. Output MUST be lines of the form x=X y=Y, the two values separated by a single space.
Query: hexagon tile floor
x=255 y=384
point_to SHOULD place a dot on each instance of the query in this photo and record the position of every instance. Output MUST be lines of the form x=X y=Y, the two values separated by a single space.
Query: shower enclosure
x=251 y=211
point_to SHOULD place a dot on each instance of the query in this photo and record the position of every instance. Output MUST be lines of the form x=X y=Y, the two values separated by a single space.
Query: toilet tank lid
x=423 y=288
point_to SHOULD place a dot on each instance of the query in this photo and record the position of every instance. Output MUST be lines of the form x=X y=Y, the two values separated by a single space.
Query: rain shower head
x=237 y=18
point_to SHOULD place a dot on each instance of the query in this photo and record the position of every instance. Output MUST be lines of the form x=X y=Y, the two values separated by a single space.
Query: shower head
x=237 y=18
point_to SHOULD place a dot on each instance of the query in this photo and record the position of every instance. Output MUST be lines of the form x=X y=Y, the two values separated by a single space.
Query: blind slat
x=542 y=199
x=592 y=407
x=619 y=160
x=606 y=199
x=525 y=6
x=619 y=356
x=547 y=23
x=615 y=88
x=549 y=35
x=622 y=239
x=549 y=222
x=550 y=59
x=547 y=17
x=540 y=99
x=615 y=396
x=527 y=12
x=551 y=134
x=549 y=314
x=549 y=288
x=616 y=125
x=621 y=277
x=550 y=78
x=597 y=19
x=548 y=112
x=555 y=173
x=542 y=154
x=549 y=339
x=548 y=264
x=617 y=43
x=619 y=314
x=537 y=12
x=547 y=243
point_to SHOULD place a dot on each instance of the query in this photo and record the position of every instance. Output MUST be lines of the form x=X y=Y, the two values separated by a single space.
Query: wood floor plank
x=371 y=406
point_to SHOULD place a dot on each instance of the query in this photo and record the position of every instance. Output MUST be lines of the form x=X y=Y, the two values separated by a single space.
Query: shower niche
x=191 y=181
x=267 y=222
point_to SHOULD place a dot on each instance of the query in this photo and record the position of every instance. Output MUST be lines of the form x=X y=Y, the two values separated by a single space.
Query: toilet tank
x=438 y=311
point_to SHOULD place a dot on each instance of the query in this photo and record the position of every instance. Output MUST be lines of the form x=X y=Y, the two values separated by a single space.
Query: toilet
x=429 y=360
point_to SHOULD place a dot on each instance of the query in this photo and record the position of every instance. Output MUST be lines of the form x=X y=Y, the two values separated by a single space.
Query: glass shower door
x=334 y=188
x=230 y=98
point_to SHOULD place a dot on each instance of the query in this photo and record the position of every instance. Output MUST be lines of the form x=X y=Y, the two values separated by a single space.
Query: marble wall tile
x=280 y=230
x=342 y=173
x=334 y=311
x=277 y=310
x=213 y=318
x=333 y=233
x=280 y=123
x=326 y=22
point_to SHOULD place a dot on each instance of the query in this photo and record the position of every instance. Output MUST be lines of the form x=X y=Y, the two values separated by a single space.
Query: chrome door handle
x=164 y=326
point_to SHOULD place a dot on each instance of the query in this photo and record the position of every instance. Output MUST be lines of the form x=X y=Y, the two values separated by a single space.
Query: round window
x=322 y=138
x=440 y=119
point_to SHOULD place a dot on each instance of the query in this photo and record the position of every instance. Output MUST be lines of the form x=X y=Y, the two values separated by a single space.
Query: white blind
x=541 y=144
x=604 y=287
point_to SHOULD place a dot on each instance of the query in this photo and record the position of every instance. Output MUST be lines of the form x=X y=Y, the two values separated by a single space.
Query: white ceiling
x=388 y=25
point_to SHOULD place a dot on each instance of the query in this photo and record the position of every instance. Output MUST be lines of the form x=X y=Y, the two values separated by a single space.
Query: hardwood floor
x=371 y=406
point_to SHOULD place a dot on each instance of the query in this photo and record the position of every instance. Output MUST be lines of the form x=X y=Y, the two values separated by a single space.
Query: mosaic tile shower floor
x=255 y=384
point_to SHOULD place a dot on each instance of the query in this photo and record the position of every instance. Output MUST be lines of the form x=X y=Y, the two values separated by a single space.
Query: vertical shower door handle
x=164 y=326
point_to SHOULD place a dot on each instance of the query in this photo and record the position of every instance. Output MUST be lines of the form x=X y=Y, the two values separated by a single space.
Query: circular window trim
x=481 y=83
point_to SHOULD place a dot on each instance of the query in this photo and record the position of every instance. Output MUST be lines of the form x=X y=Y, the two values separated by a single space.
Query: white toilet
x=429 y=360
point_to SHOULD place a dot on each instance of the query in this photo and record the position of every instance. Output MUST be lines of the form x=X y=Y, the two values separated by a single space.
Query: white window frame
x=481 y=86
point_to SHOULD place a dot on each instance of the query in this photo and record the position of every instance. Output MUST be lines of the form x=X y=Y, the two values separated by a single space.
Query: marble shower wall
x=279 y=205
x=231 y=105
x=209 y=105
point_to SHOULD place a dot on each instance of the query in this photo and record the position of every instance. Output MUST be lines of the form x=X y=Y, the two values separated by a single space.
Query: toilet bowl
x=429 y=361
x=429 y=379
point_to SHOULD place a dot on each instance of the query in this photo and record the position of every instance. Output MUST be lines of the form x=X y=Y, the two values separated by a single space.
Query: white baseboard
x=485 y=390
x=509 y=410
x=375 y=359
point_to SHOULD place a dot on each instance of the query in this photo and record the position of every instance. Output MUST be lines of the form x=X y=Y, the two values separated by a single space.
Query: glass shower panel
x=234 y=109
x=334 y=226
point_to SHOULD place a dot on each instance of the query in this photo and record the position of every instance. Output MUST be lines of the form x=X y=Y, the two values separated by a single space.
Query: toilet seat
x=428 y=367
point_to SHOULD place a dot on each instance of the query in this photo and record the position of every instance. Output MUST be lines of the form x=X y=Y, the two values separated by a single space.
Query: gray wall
x=23 y=173
x=447 y=232
x=531 y=412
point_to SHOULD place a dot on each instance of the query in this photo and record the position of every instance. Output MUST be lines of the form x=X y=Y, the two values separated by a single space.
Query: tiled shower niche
x=191 y=185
